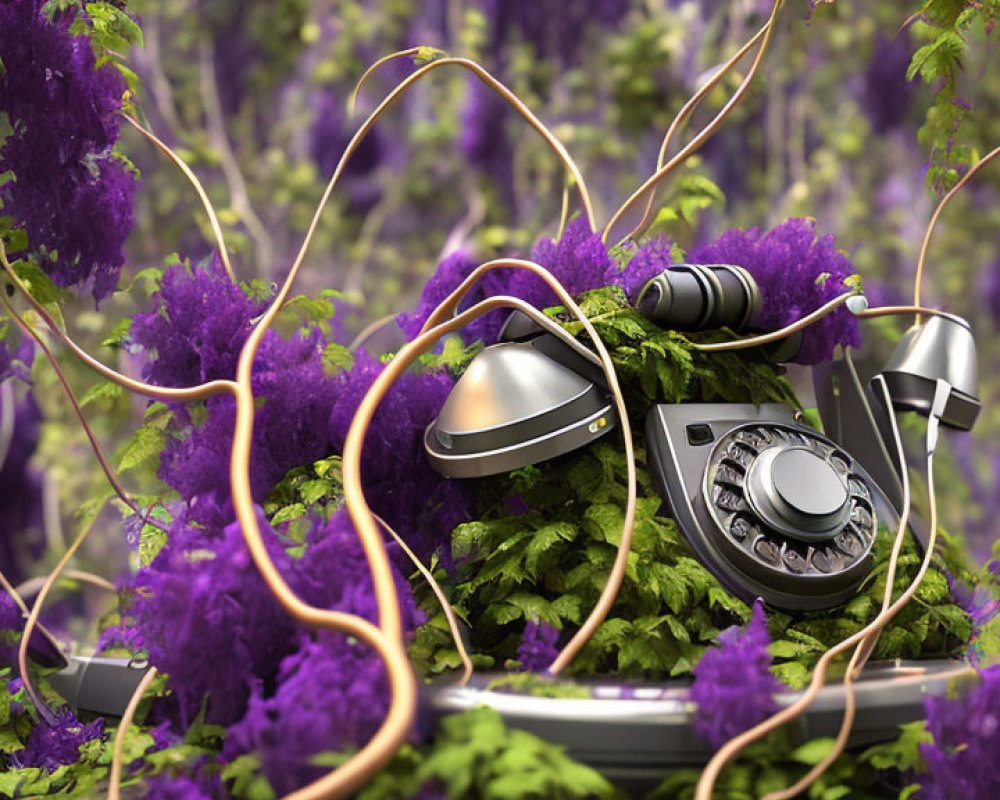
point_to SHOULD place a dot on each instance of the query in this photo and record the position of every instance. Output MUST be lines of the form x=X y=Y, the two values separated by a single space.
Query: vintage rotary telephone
x=771 y=506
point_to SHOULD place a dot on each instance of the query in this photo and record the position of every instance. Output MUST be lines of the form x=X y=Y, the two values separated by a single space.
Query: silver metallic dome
x=514 y=406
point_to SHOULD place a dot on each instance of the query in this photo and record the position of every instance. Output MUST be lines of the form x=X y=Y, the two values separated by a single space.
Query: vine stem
x=653 y=181
x=614 y=580
x=95 y=444
x=213 y=218
x=7 y=418
x=934 y=218
x=735 y=745
x=118 y=753
x=166 y=393
x=865 y=647
x=447 y=610
x=686 y=111
x=36 y=610
x=512 y=99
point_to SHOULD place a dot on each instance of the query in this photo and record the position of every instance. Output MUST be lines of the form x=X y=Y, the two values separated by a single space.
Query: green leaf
x=147 y=444
x=337 y=358
x=288 y=513
x=248 y=782
x=37 y=282
x=812 y=752
x=902 y=754
x=118 y=335
x=105 y=390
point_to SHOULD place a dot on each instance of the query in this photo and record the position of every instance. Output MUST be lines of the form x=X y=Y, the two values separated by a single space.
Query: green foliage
x=148 y=442
x=474 y=755
x=949 y=29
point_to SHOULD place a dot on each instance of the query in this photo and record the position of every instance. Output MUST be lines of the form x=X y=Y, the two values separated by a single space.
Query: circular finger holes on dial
x=794 y=560
x=789 y=508
x=767 y=551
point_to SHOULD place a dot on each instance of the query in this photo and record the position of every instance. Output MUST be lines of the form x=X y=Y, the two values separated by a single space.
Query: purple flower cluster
x=647 y=262
x=484 y=141
x=207 y=618
x=192 y=333
x=51 y=746
x=538 y=646
x=579 y=260
x=797 y=272
x=195 y=327
x=989 y=287
x=331 y=694
x=164 y=786
x=16 y=360
x=71 y=193
x=962 y=760
x=733 y=684
x=418 y=503
x=10 y=615
x=328 y=139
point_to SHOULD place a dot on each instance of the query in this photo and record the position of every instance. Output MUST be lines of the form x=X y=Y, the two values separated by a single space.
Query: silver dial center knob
x=798 y=492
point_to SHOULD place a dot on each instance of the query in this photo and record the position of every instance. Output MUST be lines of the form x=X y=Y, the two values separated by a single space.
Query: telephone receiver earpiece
x=942 y=348
x=699 y=297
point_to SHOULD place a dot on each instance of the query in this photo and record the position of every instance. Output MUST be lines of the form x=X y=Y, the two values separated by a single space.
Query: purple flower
x=202 y=603
x=538 y=646
x=195 y=327
x=483 y=140
x=885 y=93
x=797 y=272
x=454 y=269
x=11 y=618
x=966 y=731
x=579 y=260
x=989 y=285
x=15 y=362
x=328 y=139
x=419 y=504
x=733 y=685
x=193 y=333
x=331 y=694
x=52 y=746
x=71 y=193
x=649 y=260
x=556 y=29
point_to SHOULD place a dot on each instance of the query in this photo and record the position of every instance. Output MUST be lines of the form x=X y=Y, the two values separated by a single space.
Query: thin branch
x=33 y=585
x=934 y=218
x=391 y=98
x=118 y=753
x=91 y=436
x=36 y=609
x=239 y=196
x=447 y=610
x=213 y=218
x=8 y=413
x=199 y=392
x=685 y=112
x=652 y=182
